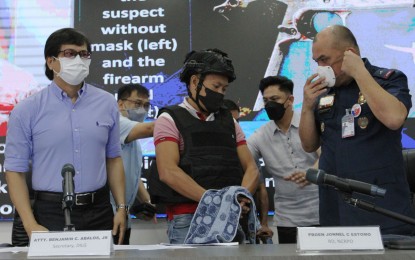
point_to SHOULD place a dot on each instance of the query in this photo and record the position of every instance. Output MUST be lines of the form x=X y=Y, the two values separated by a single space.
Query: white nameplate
x=71 y=243
x=339 y=238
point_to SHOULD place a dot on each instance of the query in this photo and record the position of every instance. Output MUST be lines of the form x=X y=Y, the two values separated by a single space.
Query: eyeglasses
x=71 y=53
x=139 y=103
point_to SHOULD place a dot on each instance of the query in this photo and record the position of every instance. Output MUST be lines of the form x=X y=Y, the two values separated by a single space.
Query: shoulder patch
x=384 y=73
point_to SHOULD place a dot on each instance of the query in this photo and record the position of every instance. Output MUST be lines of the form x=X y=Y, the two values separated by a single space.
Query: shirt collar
x=295 y=122
x=196 y=113
x=62 y=94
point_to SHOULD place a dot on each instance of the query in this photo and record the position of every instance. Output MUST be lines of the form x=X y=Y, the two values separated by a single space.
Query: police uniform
x=372 y=155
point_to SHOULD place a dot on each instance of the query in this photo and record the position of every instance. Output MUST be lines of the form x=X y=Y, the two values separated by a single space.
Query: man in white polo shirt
x=278 y=143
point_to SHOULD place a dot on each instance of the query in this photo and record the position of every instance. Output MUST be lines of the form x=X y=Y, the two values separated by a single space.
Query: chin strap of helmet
x=198 y=89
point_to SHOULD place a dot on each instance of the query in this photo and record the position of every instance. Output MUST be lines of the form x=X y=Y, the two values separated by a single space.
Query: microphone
x=320 y=177
x=68 y=185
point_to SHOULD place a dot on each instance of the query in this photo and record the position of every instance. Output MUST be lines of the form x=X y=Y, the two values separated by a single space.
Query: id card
x=347 y=124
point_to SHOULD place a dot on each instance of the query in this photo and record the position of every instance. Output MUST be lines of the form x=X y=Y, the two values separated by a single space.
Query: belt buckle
x=84 y=194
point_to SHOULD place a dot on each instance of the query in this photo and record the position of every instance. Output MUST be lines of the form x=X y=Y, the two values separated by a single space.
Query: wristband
x=123 y=206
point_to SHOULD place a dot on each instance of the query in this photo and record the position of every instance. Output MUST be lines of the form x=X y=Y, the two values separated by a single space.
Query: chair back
x=409 y=164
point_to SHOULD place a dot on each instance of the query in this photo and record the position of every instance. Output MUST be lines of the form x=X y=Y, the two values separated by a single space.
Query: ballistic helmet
x=209 y=61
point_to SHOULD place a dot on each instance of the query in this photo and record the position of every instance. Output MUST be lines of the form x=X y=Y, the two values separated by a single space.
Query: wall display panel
x=24 y=28
x=264 y=37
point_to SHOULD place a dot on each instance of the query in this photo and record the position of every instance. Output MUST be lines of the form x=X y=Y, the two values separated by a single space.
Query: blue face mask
x=137 y=114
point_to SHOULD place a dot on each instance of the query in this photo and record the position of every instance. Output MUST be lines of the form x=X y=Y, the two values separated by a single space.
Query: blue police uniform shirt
x=373 y=155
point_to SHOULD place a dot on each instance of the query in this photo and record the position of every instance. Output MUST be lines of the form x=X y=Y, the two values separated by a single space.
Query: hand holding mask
x=328 y=73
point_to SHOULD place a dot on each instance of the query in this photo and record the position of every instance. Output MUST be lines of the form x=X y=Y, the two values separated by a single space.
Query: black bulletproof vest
x=209 y=155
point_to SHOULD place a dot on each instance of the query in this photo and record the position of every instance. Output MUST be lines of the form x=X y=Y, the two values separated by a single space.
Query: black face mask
x=275 y=110
x=212 y=101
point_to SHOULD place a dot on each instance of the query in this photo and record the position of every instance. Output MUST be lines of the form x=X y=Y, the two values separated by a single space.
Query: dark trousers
x=95 y=216
x=126 y=240
x=90 y=217
x=19 y=235
x=287 y=235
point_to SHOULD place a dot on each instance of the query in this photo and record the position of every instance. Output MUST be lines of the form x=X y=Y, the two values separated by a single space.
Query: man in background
x=278 y=143
x=233 y=108
x=133 y=104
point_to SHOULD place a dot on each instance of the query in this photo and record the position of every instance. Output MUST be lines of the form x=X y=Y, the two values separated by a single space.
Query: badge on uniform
x=363 y=122
x=326 y=102
x=347 y=124
x=384 y=73
x=356 y=110
x=361 y=100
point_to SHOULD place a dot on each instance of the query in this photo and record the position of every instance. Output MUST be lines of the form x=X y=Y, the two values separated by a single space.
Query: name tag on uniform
x=326 y=102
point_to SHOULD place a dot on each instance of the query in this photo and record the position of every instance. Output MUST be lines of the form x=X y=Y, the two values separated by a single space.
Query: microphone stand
x=404 y=242
x=67 y=208
x=373 y=208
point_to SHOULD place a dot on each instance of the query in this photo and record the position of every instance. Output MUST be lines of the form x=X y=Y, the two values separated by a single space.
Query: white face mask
x=73 y=71
x=137 y=114
x=328 y=73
